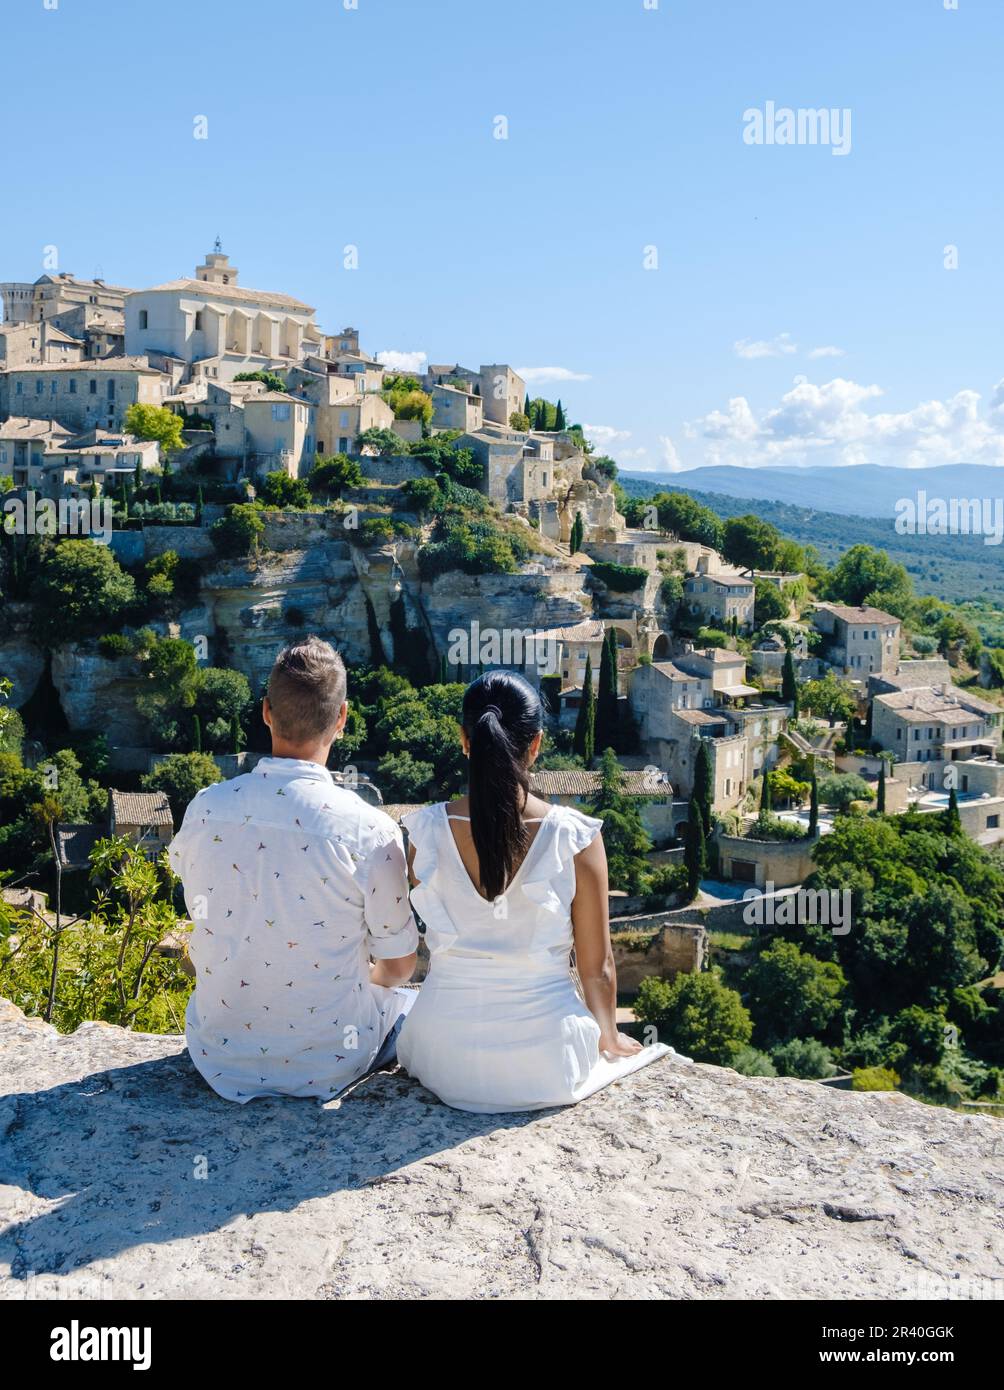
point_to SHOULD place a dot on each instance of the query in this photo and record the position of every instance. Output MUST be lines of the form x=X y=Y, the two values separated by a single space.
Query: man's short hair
x=306 y=690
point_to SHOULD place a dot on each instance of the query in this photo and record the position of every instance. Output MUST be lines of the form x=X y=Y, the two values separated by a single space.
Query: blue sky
x=373 y=127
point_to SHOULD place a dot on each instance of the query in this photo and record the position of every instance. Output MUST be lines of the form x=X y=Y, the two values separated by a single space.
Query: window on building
x=993 y=822
x=93 y=386
x=39 y=387
x=144 y=319
x=198 y=320
x=19 y=389
x=280 y=411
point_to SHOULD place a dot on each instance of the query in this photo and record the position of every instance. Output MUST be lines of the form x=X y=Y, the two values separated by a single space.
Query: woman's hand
x=619 y=1045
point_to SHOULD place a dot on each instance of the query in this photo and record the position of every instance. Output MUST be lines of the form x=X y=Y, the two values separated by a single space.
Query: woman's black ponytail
x=501 y=717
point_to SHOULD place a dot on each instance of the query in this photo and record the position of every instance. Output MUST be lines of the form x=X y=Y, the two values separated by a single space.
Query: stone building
x=857 y=641
x=279 y=434
x=23 y=445
x=99 y=457
x=217 y=327
x=502 y=391
x=83 y=395
x=720 y=598
x=935 y=724
x=51 y=297
x=454 y=409
x=143 y=817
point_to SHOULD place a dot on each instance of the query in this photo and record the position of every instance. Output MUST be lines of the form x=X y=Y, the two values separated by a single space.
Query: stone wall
x=781 y=862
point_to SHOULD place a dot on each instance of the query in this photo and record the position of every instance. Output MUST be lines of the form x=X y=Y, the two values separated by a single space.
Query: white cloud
x=781 y=346
x=403 y=361
x=670 y=458
x=604 y=436
x=834 y=422
x=828 y=351
x=535 y=375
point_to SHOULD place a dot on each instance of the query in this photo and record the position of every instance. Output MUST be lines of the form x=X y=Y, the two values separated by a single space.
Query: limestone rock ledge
x=683 y=1181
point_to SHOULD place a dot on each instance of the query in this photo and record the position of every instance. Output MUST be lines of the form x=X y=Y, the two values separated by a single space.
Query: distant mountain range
x=861 y=490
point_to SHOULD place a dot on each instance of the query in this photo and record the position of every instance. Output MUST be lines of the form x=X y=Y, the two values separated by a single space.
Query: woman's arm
x=594 y=957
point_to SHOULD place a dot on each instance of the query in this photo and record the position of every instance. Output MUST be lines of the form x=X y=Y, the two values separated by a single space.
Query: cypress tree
x=813 y=802
x=559 y=416
x=789 y=685
x=606 y=697
x=578 y=534
x=584 y=739
x=880 y=799
x=953 y=821
x=235 y=735
x=704 y=785
x=695 y=854
x=197 y=733
x=765 y=795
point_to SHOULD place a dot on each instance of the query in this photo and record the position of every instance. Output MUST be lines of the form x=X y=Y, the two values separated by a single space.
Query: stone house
x=23 y=444
x=502 y=391
x=857 y=642
x=457 y=410
x=143 y=817
x=935 y=724
x=720 y=597
x=339 y=425
x=217 y=327
x=99 y=457
x=51 y=297
x=519 y=468
x=36 y=344
x=279 y=434
x=83 y=395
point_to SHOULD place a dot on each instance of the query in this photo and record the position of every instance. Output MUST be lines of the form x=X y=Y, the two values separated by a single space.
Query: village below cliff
x=798 y=763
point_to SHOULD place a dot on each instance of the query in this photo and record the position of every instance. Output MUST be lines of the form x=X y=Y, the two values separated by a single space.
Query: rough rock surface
x=683 y=1181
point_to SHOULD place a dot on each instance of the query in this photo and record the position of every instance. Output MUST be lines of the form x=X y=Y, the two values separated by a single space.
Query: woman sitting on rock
x=506 y=884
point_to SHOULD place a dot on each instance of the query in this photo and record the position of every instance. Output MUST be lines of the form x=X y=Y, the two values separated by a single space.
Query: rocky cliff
x=126 y=1177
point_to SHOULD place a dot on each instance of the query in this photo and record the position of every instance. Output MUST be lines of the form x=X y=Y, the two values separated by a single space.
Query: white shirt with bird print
x=292 y=883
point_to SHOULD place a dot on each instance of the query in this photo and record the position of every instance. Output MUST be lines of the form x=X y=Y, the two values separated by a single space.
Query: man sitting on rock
x=293 y=884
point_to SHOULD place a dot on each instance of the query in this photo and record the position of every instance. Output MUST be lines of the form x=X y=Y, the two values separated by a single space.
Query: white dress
x=499 y=1024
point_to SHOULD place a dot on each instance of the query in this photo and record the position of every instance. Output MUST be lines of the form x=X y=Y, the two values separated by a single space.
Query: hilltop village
x=268 y=478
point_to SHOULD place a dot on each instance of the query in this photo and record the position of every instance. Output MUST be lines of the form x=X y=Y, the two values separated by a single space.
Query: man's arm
x=392 y=937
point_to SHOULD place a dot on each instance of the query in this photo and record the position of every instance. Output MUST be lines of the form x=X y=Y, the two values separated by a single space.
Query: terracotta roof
x=579 y=782
x=208 y=289
x=141 y=808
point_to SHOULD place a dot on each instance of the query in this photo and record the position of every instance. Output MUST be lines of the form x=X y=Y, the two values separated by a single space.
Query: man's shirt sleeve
x=390 y=925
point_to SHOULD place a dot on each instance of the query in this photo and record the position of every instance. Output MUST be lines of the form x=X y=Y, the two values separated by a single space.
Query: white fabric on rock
x=499 y=1024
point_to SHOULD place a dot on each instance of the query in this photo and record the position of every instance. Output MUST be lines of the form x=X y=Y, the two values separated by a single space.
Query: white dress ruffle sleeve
x=499 y=1024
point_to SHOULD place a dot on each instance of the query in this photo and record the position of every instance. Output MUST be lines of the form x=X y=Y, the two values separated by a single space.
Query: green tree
x=880 y=797
x=278 y=489
x=813 y=802
x=789 y=683
x=384 y=443
x=792 y=994
x=240 y=532
x=698 y=1014
x=156 y=422
x=584 y=741
x=752 y=543
x=606 y=695
x=272 y=381
x=704 y=784
x=577 y=534
x=830 y=698
x=559 y=417
x=769 y=604
x=695 y=854
x=804 y=1057
x=181 y=775
x=624 y=837
x=863 y=571
x=953 y=821
x=519 y=421
x=81 y=587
